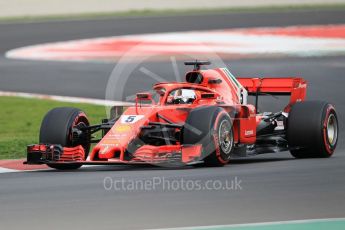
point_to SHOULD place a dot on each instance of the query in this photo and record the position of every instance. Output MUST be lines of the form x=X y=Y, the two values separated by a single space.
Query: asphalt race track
x=274 y=187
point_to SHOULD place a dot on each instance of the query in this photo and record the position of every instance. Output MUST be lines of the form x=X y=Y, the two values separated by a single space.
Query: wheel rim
x=332 y=130
x=225 y=137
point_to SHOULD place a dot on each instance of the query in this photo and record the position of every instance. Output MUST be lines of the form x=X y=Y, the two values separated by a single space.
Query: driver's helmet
x=184 y=96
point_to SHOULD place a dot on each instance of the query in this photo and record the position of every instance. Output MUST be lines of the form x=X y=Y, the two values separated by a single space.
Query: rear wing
x=293 y=87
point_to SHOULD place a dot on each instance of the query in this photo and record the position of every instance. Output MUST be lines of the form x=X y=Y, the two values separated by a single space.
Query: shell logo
x=110 y=142
x=123 y=128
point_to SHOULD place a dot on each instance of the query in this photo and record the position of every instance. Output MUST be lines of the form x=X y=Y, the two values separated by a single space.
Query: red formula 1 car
x=205 y=120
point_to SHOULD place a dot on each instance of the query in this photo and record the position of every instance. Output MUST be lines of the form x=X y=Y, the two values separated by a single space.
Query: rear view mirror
x=144 y=98
x=208 y=96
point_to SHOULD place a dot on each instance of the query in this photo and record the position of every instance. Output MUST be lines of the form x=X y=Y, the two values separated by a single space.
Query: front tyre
x=211 y=127
x=312 y=129
x=56 y=128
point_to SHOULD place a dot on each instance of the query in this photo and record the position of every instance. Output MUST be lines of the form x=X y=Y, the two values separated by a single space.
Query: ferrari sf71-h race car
x=205 y=120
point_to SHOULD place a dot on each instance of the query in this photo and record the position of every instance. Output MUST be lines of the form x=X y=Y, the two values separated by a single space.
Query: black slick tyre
x=312 y=129
x=56 y=128
x=211 y=127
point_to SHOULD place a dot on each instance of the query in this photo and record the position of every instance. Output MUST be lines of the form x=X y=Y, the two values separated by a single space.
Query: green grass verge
x=20 y=120
x=149 y=13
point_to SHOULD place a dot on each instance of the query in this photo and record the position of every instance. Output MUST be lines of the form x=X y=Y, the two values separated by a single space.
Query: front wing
x=147 y=154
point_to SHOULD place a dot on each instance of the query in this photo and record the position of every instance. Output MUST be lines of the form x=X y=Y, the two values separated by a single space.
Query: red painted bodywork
x=225 y=93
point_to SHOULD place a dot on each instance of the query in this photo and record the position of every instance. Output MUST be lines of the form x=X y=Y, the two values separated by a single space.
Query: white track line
x=66 y=99
x=6 y=170
x=254 y=224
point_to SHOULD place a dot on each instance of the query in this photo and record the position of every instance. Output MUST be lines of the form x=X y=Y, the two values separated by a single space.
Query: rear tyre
x=56 y=128
x=312 y=129
x=211 y=127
